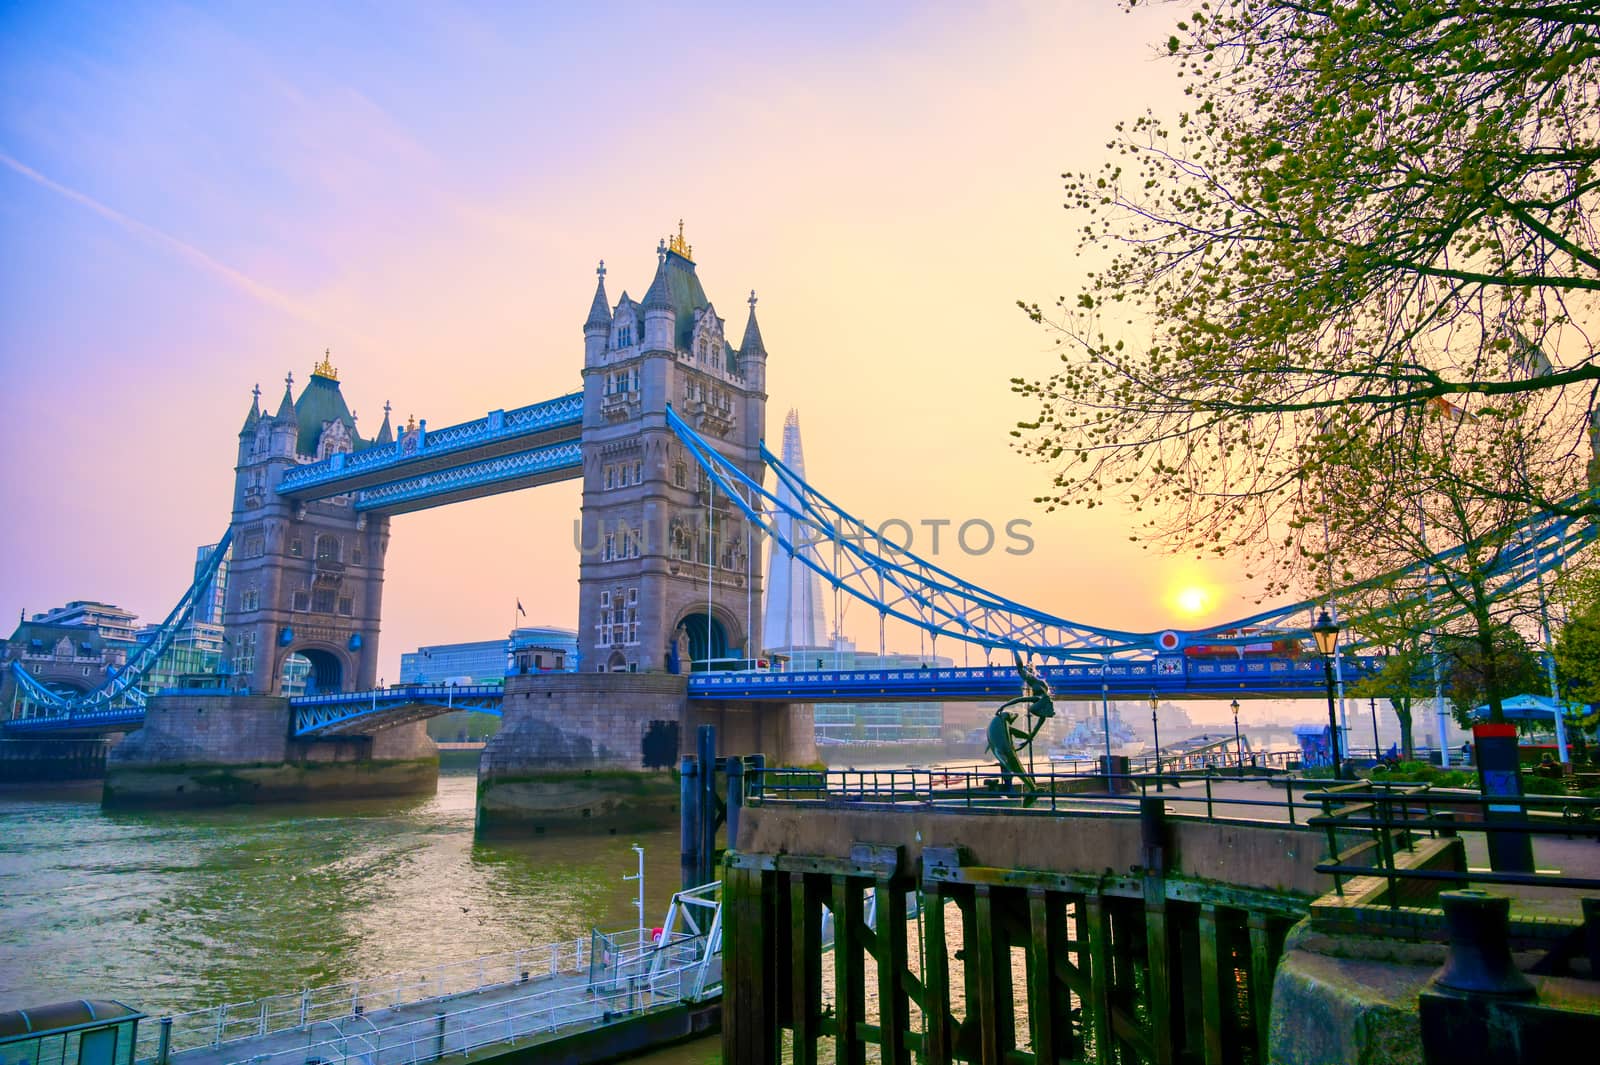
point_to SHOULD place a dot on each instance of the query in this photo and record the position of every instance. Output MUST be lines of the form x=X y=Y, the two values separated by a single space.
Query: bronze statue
x=1007 y=743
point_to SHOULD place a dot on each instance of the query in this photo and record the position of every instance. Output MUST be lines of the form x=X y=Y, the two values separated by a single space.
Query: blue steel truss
x=353 y=713
x=122 y=688
x=1121 y=679
x=443 y=486
x=334 y=475
x=900 y=584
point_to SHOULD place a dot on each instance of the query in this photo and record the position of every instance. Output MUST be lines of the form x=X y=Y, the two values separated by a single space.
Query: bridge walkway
x=497 y=1003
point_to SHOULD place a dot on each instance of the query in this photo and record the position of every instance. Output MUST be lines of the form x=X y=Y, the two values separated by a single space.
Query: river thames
x=178 y=909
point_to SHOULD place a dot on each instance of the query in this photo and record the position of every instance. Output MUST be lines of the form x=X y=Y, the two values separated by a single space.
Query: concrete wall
x=204 y=749
x=784 y=732
x=1247 y=856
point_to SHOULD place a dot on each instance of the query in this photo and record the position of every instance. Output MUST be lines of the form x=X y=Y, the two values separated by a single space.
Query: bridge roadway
x=361 y=712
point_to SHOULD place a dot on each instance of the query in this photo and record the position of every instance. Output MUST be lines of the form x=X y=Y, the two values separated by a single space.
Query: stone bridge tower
x=669 y=571
x=305 y=578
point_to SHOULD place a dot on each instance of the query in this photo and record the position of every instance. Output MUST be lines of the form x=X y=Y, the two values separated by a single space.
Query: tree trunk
x=1402 y=712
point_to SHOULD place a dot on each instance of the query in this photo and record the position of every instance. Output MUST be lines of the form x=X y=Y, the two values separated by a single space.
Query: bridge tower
x=306 y=578
x=669 y=569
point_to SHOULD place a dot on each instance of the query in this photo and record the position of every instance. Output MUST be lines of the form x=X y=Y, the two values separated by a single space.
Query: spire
x=251 y=419
x=286 y=412
x=599 y=310
x=752 y=334
x=659 y=296
x=385 y=434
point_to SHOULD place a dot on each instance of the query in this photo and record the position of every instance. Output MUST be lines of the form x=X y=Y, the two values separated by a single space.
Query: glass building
x=531 y=649
x=873 y=722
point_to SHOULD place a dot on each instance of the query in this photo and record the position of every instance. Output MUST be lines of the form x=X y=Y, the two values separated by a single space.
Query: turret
x=753 y=353
x=597 y=327
x=660 y=320
x=285 y=423
x=385 y=434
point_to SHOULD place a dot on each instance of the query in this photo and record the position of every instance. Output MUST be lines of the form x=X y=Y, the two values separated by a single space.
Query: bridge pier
x=212 y=749
x=594 y=752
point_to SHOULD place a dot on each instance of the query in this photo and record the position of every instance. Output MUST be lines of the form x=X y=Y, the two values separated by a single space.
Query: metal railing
x=988 y=789
x=217 y=1026
x=452 y=1008
x=1395 y=816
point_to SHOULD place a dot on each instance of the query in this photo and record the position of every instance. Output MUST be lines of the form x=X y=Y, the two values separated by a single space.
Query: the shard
x=793 y=617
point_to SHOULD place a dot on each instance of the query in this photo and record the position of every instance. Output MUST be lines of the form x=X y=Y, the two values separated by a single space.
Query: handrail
x=985 y=788
x=1389 y=813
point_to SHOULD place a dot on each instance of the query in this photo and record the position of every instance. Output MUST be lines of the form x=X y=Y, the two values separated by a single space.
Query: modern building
x=531 y=649
x=111 y=622
x=793 y=617
x=874 y=722
x=209 y=599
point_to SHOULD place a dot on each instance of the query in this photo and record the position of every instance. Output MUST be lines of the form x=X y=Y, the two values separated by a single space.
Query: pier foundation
x=211 y=749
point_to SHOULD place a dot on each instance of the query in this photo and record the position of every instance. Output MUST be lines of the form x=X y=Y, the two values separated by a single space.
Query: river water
x=178 y=909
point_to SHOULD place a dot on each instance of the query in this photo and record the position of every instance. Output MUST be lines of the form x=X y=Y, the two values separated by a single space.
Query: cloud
x=257 y=290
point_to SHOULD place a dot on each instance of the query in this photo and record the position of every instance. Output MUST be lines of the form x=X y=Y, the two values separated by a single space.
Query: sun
x=1193 y=600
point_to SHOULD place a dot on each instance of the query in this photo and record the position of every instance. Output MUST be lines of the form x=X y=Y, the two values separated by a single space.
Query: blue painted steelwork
x=117 y=719
x=898 y=583
x=1284 y=677
x=347 y=713
x=334 y=475
x=122 y=688
x=447 y=485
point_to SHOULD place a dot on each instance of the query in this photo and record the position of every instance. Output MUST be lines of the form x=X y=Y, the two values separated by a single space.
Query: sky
x=198 y=198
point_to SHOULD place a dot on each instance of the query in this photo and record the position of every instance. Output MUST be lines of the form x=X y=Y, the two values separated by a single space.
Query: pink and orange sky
x=194 y=199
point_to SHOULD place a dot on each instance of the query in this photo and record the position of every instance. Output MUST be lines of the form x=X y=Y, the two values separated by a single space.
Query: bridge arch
x=717 y=634
x=325 y=670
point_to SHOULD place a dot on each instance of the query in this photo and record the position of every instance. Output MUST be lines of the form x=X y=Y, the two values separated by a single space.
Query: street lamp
x=1156 y=732
x=1238 y=744
x=1326 y=632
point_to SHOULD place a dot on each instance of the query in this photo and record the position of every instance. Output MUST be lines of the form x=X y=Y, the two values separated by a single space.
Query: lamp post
x=1238 y=744
x=1372 y=704
x=1326 y=632
x=1156 y=733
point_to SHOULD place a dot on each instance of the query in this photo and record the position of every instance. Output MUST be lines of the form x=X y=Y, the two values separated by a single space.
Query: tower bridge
x=678 y=491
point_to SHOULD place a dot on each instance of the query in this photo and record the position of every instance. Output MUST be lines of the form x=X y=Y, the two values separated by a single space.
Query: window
x=680 y=474
x=244 y=655
x=302 y=601
x=633 y=596
x=322 y=601
x=327 y=548
x=610 y=550
x=346 y=606
x=610 y=477
x=638 y=471
x=356 y=555
x=605 y=600
x=296 y=549
x=254 y=547
x=250 y=600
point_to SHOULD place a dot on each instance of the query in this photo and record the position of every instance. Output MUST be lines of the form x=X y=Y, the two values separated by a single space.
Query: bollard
x=164 y=1050
x=1591 y=933
x=1153 y=833
x=735 y=798
x=1445 y=831
x=688 y=820
x=1479 y=962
